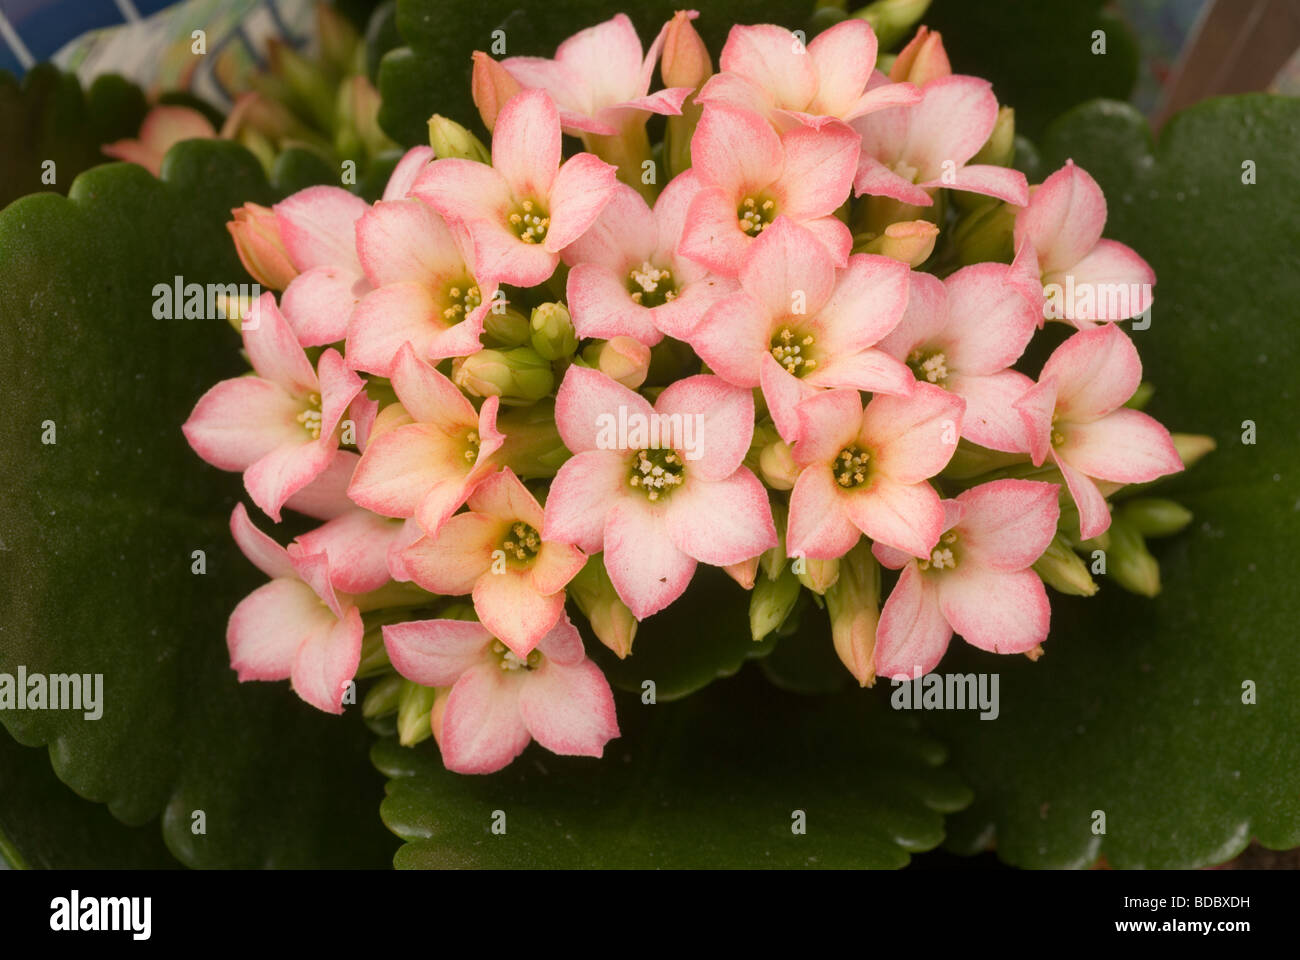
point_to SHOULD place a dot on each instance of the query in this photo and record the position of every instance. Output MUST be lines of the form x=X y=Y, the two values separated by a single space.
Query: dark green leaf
x=98 y=529
x=1137 y=707
x=712 y=781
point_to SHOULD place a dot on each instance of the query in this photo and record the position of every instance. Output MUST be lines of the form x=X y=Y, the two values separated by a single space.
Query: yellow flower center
x=930 y=366
x=656 y=472
x=755 y=214
x=942 y=557
x=651 y=286
x=793 y=350
x=507 y=660
x=850 y=467
x=530 y=222
x=521 y=544
x=311 y=417
x=462 y=299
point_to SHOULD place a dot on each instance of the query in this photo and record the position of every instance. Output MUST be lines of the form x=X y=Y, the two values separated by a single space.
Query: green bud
x=383 y=697
x=450 y=140
x=892 y=20
x=1141 y=396
x=1153 y=517
x=986 y=233
x=1063 y=570
x=770 y=602
x=1192 y=447
x=532 y=448
x=1000 y=148
x=414 y=710
x=817 y=575
x=853 y=603
x=773 y=559
x=1129 y=561
x=518 y=376
x=509 y=328
x=610 y=619
x=374 y=655
x=552 y=333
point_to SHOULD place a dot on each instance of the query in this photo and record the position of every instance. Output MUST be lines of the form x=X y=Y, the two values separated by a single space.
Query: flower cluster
x=521 y=379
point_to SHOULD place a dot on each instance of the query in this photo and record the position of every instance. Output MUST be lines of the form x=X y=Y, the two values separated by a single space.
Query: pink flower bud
x=686 y=61
x=257 y=241
x=922 y=60
x=491 y=86
x=623 y=359
x=911 y=241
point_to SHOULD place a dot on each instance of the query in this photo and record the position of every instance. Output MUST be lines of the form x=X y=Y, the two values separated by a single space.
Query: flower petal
x=912 y=634
x=513 y=611
x=721 y=522
x=286 y=470
x=587 y=406
x=264 y=553
x=906 y=516
x=326 y=662
x=991 y=419
x=401 y=240
x=318 y=227
x=818 y=170
x=582 y=493
x=735 y=150
x=1096 y=371
x=526 y=144
x=356 y=545
x=273 y=349
x=1064 y=218
x=319 y=302
x=647 y=569
x=913 y=438
x=270 y=624
x=819 y=526
x=582 y=188
x=434 y=653
x=994 y=610
x=482 y=730
x=717 y=423
x=1007 y=524
x=569 y=710
x=1125 y=446
x=240 y=421
x=990 y=322
x=1094 y=514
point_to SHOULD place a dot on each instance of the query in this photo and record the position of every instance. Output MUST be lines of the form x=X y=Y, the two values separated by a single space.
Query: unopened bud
x=1192 y=447
x=777 y=467
x=450 y=140
x=1129 y=561
x=1154 y=517
x=611 y=621
x=414 y=713
x=517 y=376
x=532 y=447
x=1062 y=570
x=922 y=60
x=256 y=233
x=744 y=572
x=552 y=333
x=773 y=559
x=685 y=63
x=491 y=87
x=383 y=698
x=771 y=602
x=986 y=233
x=624 y=359
x=853 y=603
x=509 y=328
x=893 y=19
x=1141 y=396
x=1000 y=148
x=911 y=241
x=818 y=575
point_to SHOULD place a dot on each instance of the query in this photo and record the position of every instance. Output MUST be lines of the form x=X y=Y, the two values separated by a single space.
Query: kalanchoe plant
x=730 y=376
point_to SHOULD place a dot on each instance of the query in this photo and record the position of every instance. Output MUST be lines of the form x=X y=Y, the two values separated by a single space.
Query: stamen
x=651 y=286
x=931 y=367
x=656 y=472
x=850 y=467
x=311 y=417
x=755 y=214
x=790 y=351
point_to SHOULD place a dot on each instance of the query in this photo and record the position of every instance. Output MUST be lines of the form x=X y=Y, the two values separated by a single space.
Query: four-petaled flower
x=500 y=701
x=281 y=427
x=799 y=326
x=669 y=493
x=1076 y=414
x=527 y=207
x=976 y=581
x=767 y=69
x=496 y=552
x=962 y=334
x=864 y=471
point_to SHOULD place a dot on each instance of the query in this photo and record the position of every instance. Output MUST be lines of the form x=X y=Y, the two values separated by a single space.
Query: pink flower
x=163 y=128
x=430 y=464
x=281 y=426
x=766 y=69
x=908 y=152
x=628 y=278
x=527 y=207
x=296 y=626
x=499 y=701
x=496 y=552
x=660 y=488
x=599 y=80
x=256 y=233
x=962 y=334
x=922 y=60
x=749 y=176
x=799 y=326
x=977 y=580
x=318 y=227
x=1076 y=414
x=865 y=471
x=425 y=289
x=1058 y=242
